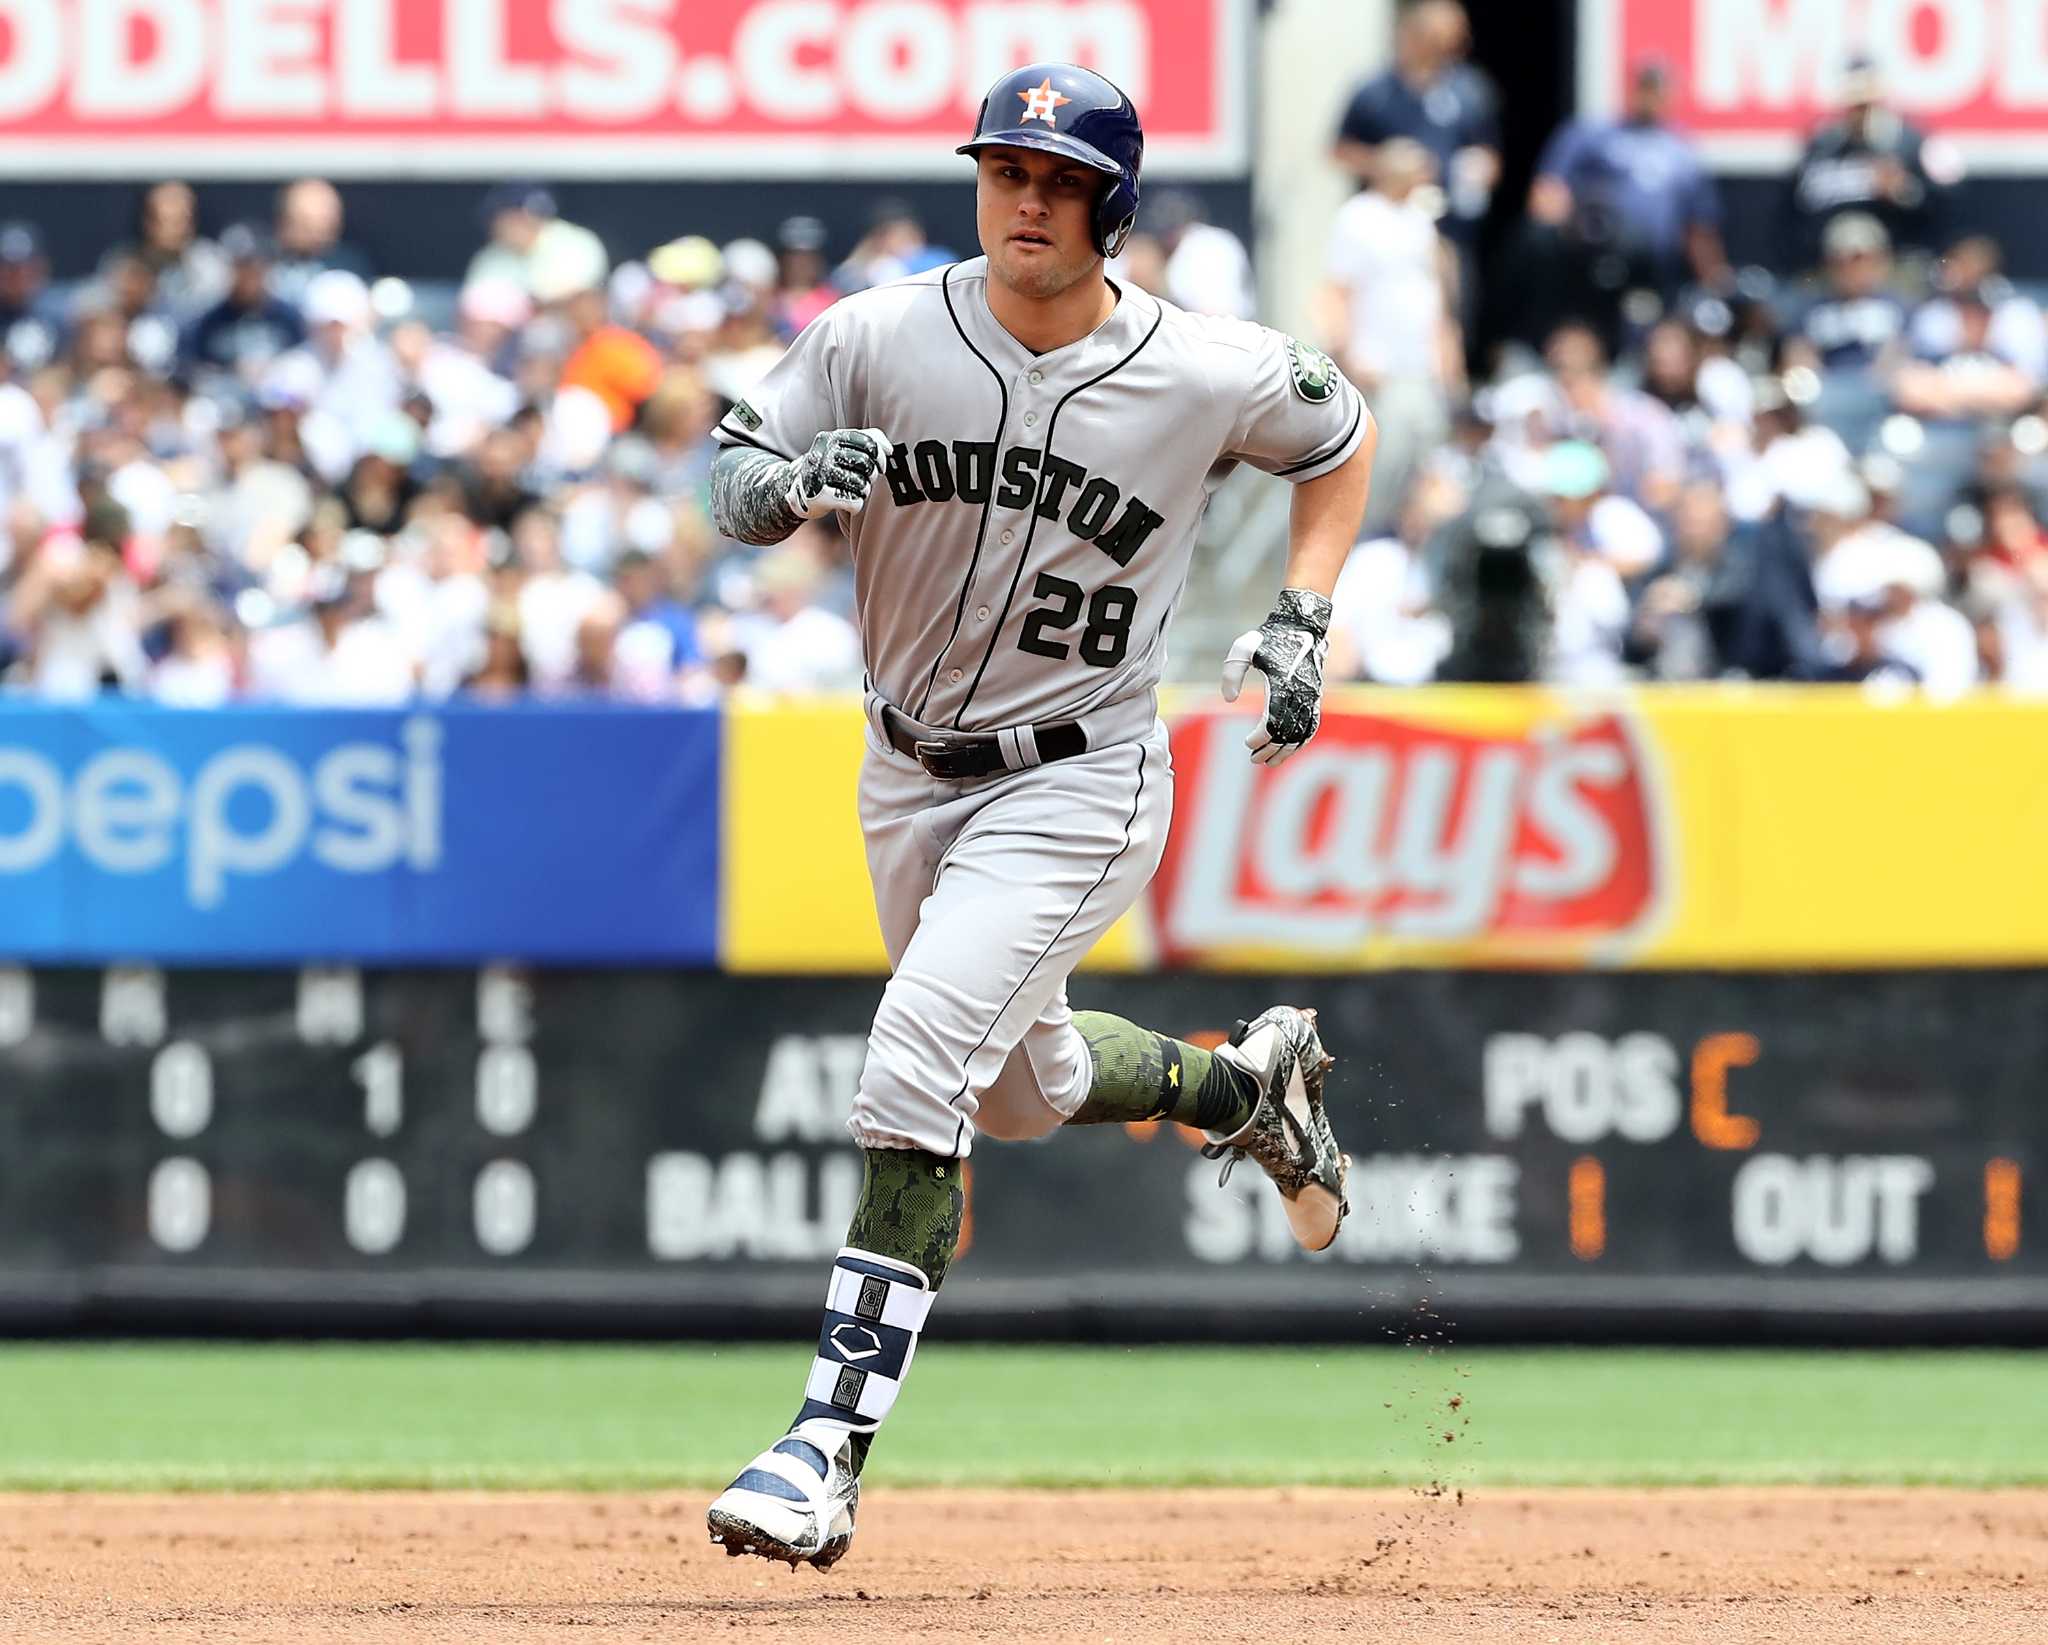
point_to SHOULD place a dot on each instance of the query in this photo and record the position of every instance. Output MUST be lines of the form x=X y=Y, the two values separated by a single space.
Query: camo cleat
x=795 y=1501
x=1289 y=1131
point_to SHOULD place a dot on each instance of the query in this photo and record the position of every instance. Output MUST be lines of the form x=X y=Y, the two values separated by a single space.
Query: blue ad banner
x=543 y=833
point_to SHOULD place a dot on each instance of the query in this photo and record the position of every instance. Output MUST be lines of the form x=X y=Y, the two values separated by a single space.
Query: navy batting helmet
x=1063 y=109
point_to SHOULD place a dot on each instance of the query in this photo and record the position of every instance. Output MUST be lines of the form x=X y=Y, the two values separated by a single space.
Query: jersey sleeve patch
x=1314 y=372
x=747 y=417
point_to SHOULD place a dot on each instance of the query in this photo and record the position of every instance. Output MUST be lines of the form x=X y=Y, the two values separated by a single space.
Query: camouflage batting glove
x=837 y=473
x=1288 y=648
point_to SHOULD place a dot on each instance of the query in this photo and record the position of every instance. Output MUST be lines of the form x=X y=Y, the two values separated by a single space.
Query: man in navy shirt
x=248 y=328
x=1871 y=160
x=1856 y=322
x=1432 y=95
x=1625 y=205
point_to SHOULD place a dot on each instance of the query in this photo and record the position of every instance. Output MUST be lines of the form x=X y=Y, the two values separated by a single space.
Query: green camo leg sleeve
x=1140 y=1075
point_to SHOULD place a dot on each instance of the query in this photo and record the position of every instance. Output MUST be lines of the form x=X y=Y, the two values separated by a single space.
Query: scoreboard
x=665 y=1152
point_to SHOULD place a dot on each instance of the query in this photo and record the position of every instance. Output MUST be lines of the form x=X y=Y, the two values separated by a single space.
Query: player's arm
x=756 y=497
x=1302 y=422
x=1291 y=646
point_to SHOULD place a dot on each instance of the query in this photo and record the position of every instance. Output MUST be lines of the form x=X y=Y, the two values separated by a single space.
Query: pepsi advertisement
x=550 y=833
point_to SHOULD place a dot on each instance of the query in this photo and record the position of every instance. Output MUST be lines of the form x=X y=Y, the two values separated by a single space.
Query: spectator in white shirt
x=792 y=645
x=553 y=600
x=1382 y=626
x=1207 y=269
x=1389 y=313
x=80 y=611
x=341 y=654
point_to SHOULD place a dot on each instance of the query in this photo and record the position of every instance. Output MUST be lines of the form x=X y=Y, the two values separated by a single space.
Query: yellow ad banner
x=1683 y=826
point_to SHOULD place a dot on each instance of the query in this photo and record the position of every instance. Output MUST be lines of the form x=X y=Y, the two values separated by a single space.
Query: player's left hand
x=1288 y=648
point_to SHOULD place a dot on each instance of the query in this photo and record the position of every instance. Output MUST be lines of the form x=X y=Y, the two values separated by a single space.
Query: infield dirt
x=1728 y=1566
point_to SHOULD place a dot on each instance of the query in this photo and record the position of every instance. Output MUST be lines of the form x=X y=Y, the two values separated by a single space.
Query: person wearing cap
x=33 y=322
x=355 y=382
x=250 y=326
x=1619 y=207
x=533 y=247
x=1871 y=159
x=802 y=291
x=1880 y=591
x=1854 y=323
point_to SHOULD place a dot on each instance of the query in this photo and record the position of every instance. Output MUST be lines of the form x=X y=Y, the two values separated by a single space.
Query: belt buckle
x=929 y=752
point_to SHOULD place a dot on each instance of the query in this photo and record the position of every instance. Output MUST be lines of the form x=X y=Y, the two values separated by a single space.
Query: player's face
x=1035 y=214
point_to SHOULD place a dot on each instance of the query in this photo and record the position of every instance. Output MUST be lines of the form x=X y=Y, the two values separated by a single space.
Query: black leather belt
x=979 y=754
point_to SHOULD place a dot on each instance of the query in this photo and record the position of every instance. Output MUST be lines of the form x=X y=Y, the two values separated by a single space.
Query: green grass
x=191 y=1416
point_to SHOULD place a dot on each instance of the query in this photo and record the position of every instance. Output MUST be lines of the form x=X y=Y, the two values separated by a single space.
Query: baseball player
x=1020 y=451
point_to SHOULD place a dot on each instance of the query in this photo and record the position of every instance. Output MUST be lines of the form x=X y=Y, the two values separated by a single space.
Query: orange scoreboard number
x=2001 y=1209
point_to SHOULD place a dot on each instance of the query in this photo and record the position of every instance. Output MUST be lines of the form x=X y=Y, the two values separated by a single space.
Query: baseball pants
x=989 y=893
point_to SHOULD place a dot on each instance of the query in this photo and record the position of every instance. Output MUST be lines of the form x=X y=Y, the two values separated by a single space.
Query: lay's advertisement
x=1472 y=827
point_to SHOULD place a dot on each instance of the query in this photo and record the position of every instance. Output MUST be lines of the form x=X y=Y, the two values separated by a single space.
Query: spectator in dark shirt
x=1855 y=322
x=249 y=327
x=1432 y=95
x=1870 y=159
x=1621 y=205
x=31 y=316
x=1766 y=617
x=494 y=491
x=309 y=242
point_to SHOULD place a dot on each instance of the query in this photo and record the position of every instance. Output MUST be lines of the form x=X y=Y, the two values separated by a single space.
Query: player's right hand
x=837 y=473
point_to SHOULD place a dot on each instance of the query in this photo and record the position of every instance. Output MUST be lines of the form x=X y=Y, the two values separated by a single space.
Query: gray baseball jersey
x=1016 y=563
x=1040 y=511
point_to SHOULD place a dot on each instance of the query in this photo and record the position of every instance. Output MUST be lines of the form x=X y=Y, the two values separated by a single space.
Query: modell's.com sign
x=1388 y=836
x=663 y=88
x=1751 y=78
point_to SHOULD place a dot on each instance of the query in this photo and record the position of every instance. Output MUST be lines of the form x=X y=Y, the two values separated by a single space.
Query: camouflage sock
x=1140 y=1075
x=910 y=1209
x=911 y=1205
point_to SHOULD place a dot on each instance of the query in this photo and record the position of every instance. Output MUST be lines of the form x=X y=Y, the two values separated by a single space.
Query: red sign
x=1755 y=76
x=607 y=87
x=1395 y=829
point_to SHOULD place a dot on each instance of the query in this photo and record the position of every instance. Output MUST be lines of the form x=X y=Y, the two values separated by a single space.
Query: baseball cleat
x=791 y=1503
x=1289 y=1132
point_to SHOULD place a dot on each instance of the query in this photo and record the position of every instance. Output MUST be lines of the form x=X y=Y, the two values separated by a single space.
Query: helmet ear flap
x=1116 y=213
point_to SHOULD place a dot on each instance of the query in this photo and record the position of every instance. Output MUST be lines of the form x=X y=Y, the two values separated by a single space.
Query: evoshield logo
x=855 y=1342
x=249 y=809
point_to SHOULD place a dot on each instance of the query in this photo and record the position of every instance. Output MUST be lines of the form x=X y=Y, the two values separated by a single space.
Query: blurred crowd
x=257 y=466
x=1833 y=467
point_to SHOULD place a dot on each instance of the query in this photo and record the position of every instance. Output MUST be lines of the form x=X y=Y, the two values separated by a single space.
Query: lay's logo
x=1536 y=841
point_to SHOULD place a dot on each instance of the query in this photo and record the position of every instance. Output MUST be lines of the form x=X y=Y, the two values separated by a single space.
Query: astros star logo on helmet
x=1041 y=100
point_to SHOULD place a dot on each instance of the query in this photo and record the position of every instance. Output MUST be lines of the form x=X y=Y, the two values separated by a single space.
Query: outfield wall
x=1667 y=1013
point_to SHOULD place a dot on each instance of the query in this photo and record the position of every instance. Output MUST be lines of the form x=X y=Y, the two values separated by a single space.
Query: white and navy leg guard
x=797 y=1499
